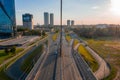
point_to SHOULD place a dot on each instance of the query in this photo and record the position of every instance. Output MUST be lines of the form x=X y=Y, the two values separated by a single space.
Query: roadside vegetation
x=3 y=75
x=110 y=51
x=8 y=53
x=27 y=32
x=54 y=37
x=88 y=58
x=75 y=42
x=29 y=62
x=68 y=38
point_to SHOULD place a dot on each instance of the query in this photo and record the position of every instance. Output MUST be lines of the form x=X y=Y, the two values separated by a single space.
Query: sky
x=82 y=11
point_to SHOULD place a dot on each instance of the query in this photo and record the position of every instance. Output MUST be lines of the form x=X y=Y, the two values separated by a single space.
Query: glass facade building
x=28 y=21
x=7 y=16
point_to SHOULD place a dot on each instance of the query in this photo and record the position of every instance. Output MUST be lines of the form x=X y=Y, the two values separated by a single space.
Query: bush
x=6 y=50
x=13 y=50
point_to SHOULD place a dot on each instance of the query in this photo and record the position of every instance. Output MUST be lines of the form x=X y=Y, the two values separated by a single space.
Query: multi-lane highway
x=70 y=66
x=47 y=69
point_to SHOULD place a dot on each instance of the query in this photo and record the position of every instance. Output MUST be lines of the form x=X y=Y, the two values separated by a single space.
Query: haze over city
x=83 y=11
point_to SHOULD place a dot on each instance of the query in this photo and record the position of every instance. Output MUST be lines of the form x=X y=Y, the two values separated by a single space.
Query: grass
x=112 y=75
x=54 y=37
x=3 y=75
x=4 y=56
x=85 y=54
x=88 y=58
x=33 y=57
x=109 y=51
x=68 y=38
x=76 y=42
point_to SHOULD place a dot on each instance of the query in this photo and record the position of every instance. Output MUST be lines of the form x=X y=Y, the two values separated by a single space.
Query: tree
x=6 y=50
x=13 y=50
x=43 y=33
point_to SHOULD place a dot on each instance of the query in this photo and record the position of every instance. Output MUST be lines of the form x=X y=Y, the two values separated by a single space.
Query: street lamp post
x=60 y=27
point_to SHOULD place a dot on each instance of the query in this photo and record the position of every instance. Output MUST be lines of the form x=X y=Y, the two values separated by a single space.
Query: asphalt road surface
x=69 y=68
x=47 y=69
x=83 y=68
x=22 y=40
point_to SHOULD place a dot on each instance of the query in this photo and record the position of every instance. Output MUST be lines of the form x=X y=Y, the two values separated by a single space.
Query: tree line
x=98 y=32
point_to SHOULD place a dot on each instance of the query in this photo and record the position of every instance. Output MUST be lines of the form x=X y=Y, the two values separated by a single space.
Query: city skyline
x=83 y=11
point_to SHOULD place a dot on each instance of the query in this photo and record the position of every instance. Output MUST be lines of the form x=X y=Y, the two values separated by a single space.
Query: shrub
x=6 y=50
x=13 y=50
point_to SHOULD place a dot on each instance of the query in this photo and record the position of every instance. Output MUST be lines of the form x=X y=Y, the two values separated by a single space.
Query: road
x=103 y=70
x=69 y=68
x=54 y=67
x=14 y=70
x=83 y=67
x=47 y=68
x=20 y=41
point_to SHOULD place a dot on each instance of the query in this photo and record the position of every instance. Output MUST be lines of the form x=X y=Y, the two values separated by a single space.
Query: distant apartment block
x=46 y=19
x=28 y=21
x=7 y=17
x=51 y=19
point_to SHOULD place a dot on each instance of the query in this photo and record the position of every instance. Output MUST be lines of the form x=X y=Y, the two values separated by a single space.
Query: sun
x=115 y=6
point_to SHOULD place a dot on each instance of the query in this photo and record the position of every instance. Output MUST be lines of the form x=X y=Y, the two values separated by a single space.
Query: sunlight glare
x=115 y=6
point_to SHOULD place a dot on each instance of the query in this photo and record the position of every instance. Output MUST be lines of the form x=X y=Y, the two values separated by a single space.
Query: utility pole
x=60 y=28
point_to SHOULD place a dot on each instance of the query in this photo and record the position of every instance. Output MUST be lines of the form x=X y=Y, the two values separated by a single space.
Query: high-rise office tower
x=68 y=23
x=72 y=22
x=51 y=19
x=7 y=17
x=46 y=18
x=28 y=21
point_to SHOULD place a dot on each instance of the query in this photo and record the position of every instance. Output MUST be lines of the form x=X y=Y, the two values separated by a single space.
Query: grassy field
x=88 y=58
x=31 y=59
x=110 y=51
x=4 y=56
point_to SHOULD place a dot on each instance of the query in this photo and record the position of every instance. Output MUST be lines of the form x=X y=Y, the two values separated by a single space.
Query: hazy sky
x=82 y=11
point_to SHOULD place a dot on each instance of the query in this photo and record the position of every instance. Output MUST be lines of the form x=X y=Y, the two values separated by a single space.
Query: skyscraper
x=7 y=16
x=46 y=18
x=28 y=21
x=68 y=23
x=51 y=19
x=72 y=22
